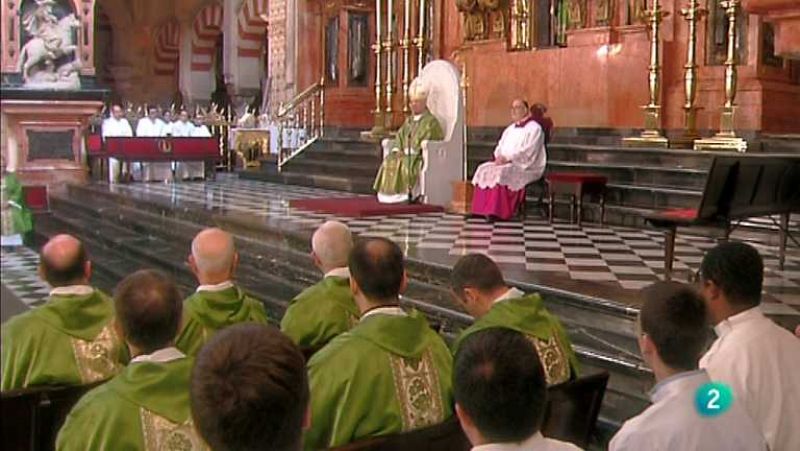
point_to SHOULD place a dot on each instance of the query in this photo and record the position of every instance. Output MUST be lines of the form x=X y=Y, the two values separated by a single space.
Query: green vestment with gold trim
x=321 y=312
x=206 y=312
x=528 y=315
x=70 y=340
x=398 y=170
x=146 y=407
x=386 y=375
x=16 y=217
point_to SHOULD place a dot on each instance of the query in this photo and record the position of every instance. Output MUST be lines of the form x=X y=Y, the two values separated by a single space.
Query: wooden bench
x=576 y=184
x=737 y=188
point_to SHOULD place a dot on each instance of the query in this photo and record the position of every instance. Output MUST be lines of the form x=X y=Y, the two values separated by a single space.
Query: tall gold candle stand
x=693 y=13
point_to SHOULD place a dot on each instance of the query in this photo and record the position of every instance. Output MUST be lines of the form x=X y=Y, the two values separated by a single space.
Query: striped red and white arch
x=206 y=28
x=167 y=48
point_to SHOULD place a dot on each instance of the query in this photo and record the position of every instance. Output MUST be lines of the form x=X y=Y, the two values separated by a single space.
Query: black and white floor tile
x=19 y=274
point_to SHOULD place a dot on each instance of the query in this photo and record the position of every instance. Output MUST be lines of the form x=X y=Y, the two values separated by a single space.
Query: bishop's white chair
x=443 y=161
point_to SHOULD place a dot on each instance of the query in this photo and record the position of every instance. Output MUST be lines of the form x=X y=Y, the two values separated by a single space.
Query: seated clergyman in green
x=400 y=170
x=147 y=405
x=390 y=373
x=326 y=309
x=478 y=285
x=217 y=302
x=70 y=340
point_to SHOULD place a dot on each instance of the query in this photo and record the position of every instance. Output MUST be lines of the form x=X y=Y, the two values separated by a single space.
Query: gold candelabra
x=391 y=65
x=692 y=13
x=379 y=128
x=421 y=41
x=405 y=45
x=652 y=136
x=726 y=138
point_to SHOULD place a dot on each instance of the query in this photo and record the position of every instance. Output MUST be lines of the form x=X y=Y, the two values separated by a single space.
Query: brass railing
x=301 y=122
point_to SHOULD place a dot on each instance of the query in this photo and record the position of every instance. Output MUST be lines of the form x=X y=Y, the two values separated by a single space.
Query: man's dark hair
x=673 y=315
x=65 y=273
x=476 y=271
x=377 y=266
x=148 y=306
x=499 y=382
x=249 y=390
x=737 y=269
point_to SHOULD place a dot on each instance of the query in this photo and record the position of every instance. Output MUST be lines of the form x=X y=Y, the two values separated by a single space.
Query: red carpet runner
x=361 y=206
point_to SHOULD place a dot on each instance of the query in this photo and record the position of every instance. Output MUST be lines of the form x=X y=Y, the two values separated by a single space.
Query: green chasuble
x=206 y=312
x=146 y=407
x=70 y=340
x=393 y=176
x=388 y=374
x=321 y=312
x=16 y=217
x=527 y=314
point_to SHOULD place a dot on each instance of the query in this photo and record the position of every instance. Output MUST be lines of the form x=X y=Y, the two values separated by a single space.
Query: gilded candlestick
x=692 y=13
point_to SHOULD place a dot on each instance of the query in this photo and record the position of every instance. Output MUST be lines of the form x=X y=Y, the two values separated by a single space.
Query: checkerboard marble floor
x=626 y=259
x=18 y=269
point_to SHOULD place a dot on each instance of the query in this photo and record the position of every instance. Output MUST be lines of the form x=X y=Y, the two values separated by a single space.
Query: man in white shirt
x=116 y=126
x=756 y=357
x=519 y=159
x=673 y=333
x=184 y=128
x=501 y=392
x=152 y=126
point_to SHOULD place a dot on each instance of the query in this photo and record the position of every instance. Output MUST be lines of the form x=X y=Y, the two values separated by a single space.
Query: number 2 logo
x=713 y=399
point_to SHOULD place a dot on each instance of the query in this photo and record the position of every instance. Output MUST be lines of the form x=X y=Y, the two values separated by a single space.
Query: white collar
x=417 y=117
x=72 y=290
x=160 y=356
x=535 y=441
x=339 y=272
x=218 y=287
x=727 y=325
x=512 y=293
x=390 y=310
x=675 y=383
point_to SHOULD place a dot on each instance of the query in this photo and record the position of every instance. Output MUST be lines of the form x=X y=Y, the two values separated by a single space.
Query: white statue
x=51 y=39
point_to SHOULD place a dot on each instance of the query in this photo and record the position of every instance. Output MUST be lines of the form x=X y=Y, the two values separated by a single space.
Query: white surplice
x=186 y=170
x=761 y=362
x=152 y=171
x=522 y=145
x=113 y=127
x=672 y=422
x=536 y=442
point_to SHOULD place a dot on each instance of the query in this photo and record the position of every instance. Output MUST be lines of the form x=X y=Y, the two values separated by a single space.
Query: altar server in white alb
x=519 y=159
x=183 y=128
x=673 y=332
x=116 y=125
x=757 y=358
x=152 y=126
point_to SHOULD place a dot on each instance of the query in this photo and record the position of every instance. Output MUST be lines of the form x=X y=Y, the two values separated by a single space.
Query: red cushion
x=35 y=197
x=680 y=213
x=583 y=177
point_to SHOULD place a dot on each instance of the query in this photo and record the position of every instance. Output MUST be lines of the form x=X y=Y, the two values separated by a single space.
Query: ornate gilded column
x=652 y=136
x=379 y=127
x=726 y=138
x=692 y=13
x=521 y=25
x=405 y=45
x=390 y=55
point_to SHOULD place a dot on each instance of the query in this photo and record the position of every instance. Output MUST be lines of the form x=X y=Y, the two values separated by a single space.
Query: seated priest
x=399 y=173
x=519 y=159
x=326 y=309
x=478 y=285
x=218 y=302
x=116 y=125
x=152 y=126
x=70 y=340
x=147 y=405
x=388 y=374
x=250 y=390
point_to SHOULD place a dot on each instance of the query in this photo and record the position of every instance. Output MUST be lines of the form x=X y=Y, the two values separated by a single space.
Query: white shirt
x=536 y=442
x=182 y=129
x=393 y=311
x=218 y=287
x=147 y=128
x=116 y=127
x=72 y=290
x=672 y=422
x=524 y=148
x=201 y=131
x=166 y=129
x=161 y=356
x=512 y=293
x=339 y=272
x=761 y=362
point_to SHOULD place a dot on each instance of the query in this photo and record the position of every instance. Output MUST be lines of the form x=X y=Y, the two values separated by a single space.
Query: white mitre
x=419 y=89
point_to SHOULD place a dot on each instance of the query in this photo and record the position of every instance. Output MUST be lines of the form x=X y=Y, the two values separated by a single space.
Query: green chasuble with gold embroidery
x=70 y=340
x=321 y=312
x=206 y=312
x=399 y=171
x=528 y=315
x=146 y=407
x=388 y=374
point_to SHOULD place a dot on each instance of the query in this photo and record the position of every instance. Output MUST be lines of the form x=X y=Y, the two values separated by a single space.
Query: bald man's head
x=378 y=269
x=64 y=262
x=331 y=244
x=213 y=256
x=148 y=307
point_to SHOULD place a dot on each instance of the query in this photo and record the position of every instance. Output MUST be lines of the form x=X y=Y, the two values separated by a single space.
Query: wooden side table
x=576 y=184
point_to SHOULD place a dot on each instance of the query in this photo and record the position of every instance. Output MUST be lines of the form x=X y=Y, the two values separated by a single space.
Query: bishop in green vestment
x=390 y=373
x=478 y=285
x=325 y=309
x=400 y=170
x=70 y=340
x=146 y=406
x=217 y=302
